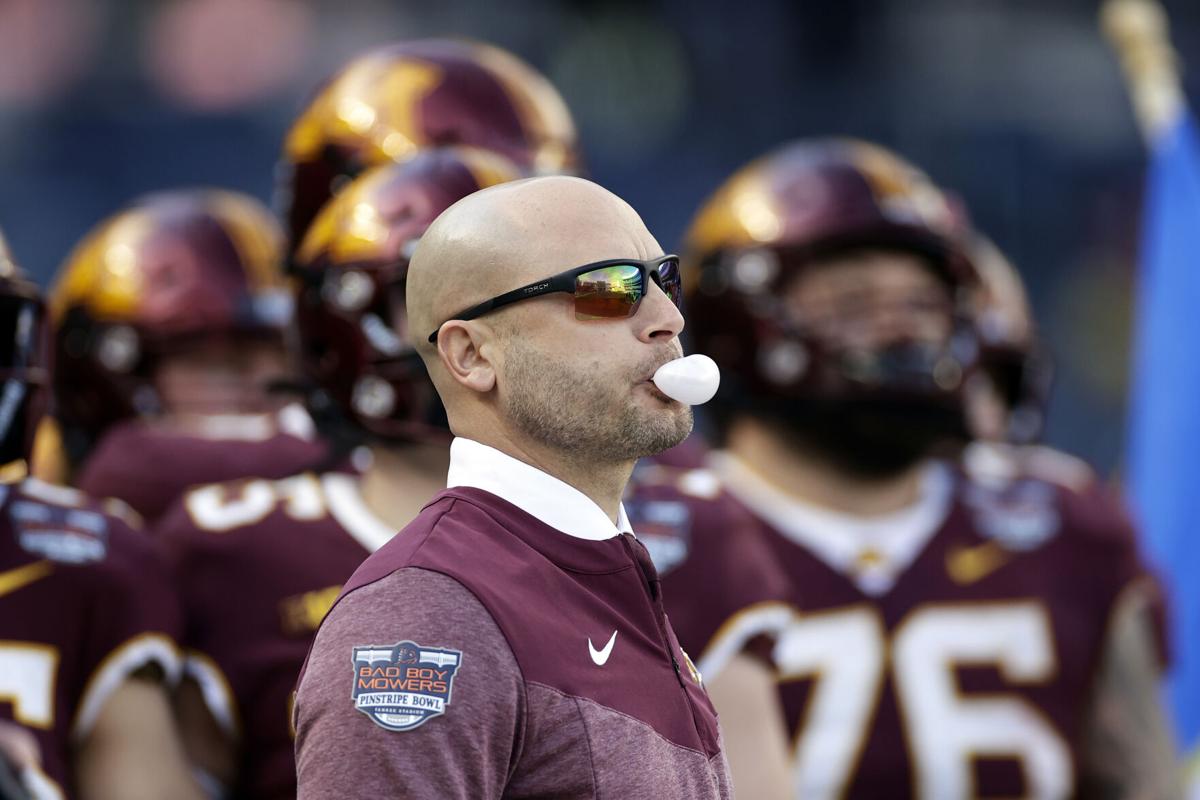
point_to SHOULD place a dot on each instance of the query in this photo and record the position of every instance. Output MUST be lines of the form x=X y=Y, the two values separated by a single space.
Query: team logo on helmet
x=403 y=686
x=396 y=101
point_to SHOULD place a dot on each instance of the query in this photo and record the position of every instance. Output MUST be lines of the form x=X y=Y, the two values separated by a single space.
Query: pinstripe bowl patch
x=404 y=685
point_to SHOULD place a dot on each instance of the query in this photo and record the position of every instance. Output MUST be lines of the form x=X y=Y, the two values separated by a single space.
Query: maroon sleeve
x=359 y=730
x=135 y=622
x=1101 y=515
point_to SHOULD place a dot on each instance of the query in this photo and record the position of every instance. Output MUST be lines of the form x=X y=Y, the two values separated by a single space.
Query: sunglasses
x=603 y=289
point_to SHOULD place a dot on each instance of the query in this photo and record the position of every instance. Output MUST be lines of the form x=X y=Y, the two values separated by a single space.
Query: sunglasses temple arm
x=466 y=314
x=559 y=283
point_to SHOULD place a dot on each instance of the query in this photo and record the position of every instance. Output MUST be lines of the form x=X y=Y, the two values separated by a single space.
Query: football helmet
x=1012 y=356
x=350 y=269
x=762 y=229
x=395 y=101
x=24 y=372
x=150 y=280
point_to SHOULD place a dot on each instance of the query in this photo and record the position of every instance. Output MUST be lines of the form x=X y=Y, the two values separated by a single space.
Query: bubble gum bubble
x=693 y=379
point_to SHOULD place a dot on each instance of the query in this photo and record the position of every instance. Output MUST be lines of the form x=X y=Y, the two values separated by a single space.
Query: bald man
x=511 y=640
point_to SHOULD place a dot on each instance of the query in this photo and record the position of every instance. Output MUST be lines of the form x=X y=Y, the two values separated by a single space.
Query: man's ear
x=459 y=347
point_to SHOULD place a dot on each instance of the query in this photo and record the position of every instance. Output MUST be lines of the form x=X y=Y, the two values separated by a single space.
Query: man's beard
x=871 y=439
x=573 y=407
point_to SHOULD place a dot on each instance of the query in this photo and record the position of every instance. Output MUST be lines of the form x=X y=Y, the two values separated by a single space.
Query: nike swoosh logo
x=600 y=657
x=967 y=565
x=20 y=577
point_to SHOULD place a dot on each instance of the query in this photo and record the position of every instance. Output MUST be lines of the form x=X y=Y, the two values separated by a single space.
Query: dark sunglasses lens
x=668 y=279
x=608 y=292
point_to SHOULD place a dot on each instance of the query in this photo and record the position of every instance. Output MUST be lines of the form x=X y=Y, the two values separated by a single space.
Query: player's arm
x=745 y=695
x=18 y=747
x=133 y=749
x=1128 y=752
x=742 y=685
x=125 y=740
x=211 y=750
x=189 y=531
x=20 y=755
x=344 y=746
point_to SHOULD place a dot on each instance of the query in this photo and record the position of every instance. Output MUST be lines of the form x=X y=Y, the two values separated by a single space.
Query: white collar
x=558 y=504
x=872 y=551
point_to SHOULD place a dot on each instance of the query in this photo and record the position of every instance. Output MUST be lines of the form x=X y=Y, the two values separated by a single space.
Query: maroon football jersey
x=257 y=564
x=965 y=670
x=149 y=466
x=722 y=587
x=84 y=602
x=553 y=673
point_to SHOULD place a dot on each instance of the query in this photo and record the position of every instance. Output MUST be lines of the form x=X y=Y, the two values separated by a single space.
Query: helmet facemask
x=861 y=354
x=367 y=380
x=170 y=275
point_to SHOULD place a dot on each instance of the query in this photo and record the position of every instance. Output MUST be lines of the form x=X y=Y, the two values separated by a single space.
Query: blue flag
x=1164 y=411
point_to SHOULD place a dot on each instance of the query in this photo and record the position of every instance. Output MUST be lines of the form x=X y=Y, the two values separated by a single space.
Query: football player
x=88 y=621
x=1016 y=367
x=958 y=638
x=169 y=323
x=1006 y=398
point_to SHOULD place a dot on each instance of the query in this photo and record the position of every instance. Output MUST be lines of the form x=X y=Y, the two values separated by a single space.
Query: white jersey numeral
x=847 y=653
x=216 y=508
x=27 y=673
x=947 y=728
x=844 y=652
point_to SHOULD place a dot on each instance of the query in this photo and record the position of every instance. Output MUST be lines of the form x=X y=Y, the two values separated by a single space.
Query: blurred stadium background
x=1018 y=105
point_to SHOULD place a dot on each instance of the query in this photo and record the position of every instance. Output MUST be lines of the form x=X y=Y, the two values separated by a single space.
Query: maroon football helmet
x=350 y=269
x=154 y=278
x=1012 y=355
x=395 y=101
x=24 y=372
x=766 y=225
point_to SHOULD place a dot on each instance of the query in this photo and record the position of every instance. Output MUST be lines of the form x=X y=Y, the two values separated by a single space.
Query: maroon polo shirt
x=483 y=654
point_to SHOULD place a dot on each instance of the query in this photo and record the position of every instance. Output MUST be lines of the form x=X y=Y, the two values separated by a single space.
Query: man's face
x=870 y=299
x=221 y=376
x=584 y=386
x=889 y=309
